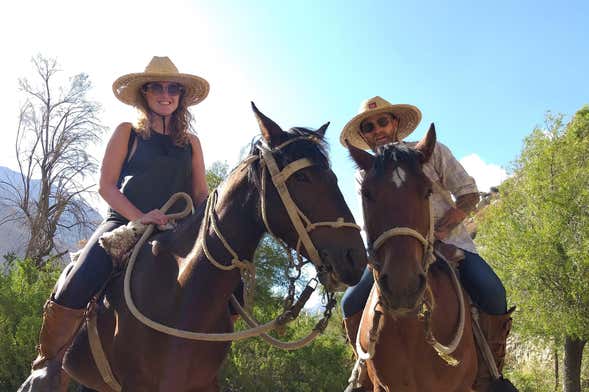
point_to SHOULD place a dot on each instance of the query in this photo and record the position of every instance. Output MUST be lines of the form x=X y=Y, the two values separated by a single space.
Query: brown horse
x=419 y=304
x=178 y=286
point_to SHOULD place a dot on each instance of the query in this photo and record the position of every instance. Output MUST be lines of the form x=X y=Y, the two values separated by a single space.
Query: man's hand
x=448 y=222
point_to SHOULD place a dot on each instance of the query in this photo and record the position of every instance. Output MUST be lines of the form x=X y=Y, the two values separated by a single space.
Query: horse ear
x=270 y=130
x=363 y=159
x=427 y=144
x=321 y=131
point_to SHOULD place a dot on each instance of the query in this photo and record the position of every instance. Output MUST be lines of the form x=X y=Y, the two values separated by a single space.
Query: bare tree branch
x=56 y=125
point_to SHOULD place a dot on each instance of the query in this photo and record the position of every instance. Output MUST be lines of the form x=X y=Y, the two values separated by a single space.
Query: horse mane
x=396 y=153
x=315 y=151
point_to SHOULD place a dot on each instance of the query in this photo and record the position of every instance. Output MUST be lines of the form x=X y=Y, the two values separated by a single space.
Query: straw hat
x=409 y=117
x=127 y=87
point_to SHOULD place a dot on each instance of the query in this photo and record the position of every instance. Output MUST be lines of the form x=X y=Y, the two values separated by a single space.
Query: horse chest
x=404 y=362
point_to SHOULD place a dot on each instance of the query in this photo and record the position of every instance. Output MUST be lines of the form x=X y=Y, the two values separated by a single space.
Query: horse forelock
x=314 y=150
x=396 y=154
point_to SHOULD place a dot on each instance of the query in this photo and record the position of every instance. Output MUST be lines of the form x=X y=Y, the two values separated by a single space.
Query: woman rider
x=144 y=164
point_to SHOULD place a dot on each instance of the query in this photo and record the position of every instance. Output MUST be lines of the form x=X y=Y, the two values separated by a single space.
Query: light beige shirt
x=445 y=170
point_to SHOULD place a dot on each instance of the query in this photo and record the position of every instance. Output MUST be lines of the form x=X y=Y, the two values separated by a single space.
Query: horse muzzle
x=401 y=301
x=342 y=266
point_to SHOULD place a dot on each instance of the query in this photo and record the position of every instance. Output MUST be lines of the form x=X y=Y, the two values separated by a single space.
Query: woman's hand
x=154 y=216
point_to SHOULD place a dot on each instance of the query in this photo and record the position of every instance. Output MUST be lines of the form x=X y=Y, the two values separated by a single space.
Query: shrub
x=23 y=290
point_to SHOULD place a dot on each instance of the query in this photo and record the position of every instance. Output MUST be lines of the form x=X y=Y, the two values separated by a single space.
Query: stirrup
x=354 y=380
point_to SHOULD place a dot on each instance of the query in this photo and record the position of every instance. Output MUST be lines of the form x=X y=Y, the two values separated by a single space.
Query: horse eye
x=302 y=177
x=428 y=193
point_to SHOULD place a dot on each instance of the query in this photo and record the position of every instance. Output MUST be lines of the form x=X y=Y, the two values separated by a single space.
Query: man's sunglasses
x=369 y=126
x=173 y=89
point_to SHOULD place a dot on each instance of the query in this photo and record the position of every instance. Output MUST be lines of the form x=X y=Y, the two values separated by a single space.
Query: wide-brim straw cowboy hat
x=127 y=88
x=409 y=117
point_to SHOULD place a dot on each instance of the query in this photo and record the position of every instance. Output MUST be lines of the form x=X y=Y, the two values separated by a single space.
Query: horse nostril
x=351 y=256
x=383 y=283
x=422 y=281
x=327 y=257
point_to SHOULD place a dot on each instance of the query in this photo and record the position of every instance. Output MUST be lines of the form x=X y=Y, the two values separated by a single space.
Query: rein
x=427 y=302
x=164 y=328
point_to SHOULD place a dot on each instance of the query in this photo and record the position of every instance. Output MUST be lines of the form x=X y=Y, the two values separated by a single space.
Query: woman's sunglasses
x=173 y=89
x=369 y=126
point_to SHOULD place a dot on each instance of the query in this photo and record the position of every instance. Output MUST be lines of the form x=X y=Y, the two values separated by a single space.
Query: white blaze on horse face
x=399 y=176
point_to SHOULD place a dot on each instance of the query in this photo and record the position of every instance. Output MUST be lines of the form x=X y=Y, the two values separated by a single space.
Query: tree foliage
x=324 y=365
x=537 y=234
x=216 y=174
x=23 y=290
x=254 y=365
x=56 y=125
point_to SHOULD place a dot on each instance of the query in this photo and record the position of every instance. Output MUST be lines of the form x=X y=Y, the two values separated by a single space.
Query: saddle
x=119 y=242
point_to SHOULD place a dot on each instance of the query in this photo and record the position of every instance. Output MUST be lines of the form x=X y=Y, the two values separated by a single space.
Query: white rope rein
x=175 y=331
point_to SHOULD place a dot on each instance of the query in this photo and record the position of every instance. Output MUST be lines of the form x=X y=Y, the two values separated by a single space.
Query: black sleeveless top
x=157 y=170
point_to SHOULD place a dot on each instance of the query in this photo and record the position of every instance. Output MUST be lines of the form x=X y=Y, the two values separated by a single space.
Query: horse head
x=301 y=203
x=395 y=199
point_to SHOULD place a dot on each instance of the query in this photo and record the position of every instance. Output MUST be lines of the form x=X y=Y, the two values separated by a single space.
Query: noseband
x=427 y=242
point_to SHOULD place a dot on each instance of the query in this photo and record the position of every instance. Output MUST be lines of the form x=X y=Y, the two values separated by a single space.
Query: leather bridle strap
x=396 y=232
x=279 y=181
x=300 y=222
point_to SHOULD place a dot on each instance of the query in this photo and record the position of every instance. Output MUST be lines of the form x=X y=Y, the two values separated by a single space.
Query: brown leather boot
x=351 y=325
x=60 y=325
x=495 y=329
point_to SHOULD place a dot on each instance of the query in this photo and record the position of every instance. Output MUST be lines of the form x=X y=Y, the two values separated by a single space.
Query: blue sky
x=484 y=72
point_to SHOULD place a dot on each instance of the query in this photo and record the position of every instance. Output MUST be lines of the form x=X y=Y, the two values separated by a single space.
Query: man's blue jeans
x=477 y=277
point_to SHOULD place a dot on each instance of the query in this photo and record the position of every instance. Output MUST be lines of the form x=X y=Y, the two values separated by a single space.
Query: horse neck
x=237 y=219
x=238 y=222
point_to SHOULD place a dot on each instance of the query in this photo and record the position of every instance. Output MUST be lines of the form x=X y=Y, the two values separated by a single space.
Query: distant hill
x=14 y=237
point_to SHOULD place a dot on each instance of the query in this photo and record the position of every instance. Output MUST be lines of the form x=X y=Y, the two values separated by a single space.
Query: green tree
x=538 y=236
x=216 y=174
x=255 y=365
x=23 y=290
x=324 y=365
